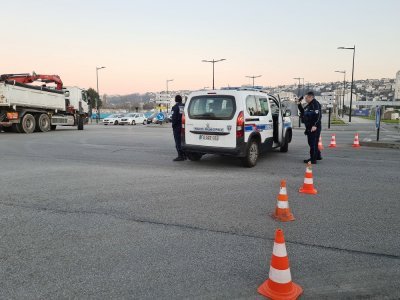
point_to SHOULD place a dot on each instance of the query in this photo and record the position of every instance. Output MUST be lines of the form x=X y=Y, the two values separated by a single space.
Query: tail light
x=240 y=125
x=12 y=116
x=183 y=124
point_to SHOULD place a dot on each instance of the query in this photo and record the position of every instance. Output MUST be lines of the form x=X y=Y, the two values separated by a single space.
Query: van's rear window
x=212 y=107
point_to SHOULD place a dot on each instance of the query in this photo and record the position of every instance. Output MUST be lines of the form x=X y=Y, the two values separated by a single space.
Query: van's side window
x=264 y=106
x=251 y=105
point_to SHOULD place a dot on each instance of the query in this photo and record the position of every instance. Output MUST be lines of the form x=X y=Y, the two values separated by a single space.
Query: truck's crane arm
x=28 y=78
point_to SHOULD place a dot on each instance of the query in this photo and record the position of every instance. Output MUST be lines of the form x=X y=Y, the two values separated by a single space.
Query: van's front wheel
x=252 y=153
x=285 y=146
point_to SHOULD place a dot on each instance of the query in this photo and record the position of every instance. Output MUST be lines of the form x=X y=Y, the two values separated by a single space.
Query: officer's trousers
x=313 y=138
x=178 y=140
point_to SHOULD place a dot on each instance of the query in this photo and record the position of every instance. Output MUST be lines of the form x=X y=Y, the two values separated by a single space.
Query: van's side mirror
x=288 y=113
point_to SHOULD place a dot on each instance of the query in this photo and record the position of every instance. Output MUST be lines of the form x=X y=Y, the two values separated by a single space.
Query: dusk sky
x=143 y=43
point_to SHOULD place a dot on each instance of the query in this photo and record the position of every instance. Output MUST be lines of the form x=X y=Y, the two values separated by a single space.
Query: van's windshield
x=212 y=107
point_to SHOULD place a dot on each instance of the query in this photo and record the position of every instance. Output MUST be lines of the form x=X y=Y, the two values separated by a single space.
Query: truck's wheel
x=133 y=122
x=80 y=123
x=285 y=146
x=194 y=156
x=53 y=127
x=27 y=125
x=252 y=153
x=43 y=123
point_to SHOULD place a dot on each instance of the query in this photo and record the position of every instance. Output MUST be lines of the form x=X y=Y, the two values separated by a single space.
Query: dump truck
x=25 y=107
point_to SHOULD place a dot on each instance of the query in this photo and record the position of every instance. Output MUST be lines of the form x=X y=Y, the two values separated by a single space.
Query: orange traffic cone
x=279 y=285
x=282 y=210
x=356 y=143
x=320 y=145
x=333 y=141
x=308 y=185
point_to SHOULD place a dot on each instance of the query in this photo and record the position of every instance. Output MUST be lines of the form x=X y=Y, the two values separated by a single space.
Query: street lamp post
x=97 y=103
x=352 y=76
x=213 y=63
x=344 y=89
x=253 y=77
x=168 y=81
x=298 y=93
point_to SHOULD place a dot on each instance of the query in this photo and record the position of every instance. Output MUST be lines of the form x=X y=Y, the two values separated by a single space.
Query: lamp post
x=168 y=81
x=352 y=76
x=213 y=63
x=344 y=89
x=253 y=77
x=97 y=103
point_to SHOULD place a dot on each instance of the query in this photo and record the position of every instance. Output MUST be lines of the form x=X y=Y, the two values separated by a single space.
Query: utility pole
x=98 y=93
x=253 y=77
x=344 y=89
x=298 y=94
x=168 y=81
x=213 y=63
x=352 y=77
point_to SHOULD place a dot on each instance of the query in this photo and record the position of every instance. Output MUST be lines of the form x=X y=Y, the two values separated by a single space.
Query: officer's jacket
x=177 y=112
x=311 y=114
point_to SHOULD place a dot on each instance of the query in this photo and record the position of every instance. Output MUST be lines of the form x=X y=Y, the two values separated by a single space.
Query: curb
x=381 y=145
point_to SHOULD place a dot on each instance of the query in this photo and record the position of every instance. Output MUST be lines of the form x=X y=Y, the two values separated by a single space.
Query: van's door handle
x=270 y=121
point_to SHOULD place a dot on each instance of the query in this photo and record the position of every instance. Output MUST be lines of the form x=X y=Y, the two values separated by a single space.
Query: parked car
x=112 y=119
x=133 y=119
x=150 y=118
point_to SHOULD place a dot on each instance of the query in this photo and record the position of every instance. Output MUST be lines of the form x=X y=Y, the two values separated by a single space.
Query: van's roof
x=229 y=92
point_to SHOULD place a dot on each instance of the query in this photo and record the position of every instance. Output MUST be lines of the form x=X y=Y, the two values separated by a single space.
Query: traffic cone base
x=282 y=210
x=270 y=292
x=311 y=191
x=283 y=217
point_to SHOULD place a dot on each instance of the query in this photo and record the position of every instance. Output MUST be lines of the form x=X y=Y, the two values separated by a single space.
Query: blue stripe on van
x=261 y=127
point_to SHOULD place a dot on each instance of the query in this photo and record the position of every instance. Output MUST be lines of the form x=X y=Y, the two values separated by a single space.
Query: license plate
x=206 y=137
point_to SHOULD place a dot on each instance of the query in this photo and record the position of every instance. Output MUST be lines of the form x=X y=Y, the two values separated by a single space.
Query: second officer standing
x=311 y=117
x=177 y=112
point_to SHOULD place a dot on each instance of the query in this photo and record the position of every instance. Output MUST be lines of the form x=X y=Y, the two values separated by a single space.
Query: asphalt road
x=105 y=213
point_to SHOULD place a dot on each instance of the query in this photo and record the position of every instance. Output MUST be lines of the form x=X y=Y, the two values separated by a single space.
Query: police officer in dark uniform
x=177 y=112
x=311 y=117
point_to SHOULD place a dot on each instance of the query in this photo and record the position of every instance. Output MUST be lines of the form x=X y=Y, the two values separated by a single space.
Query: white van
x=236 y=122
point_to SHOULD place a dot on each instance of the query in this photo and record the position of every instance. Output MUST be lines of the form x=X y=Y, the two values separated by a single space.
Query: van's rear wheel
x=252 y=153
x=194 y=156
x=43 y=123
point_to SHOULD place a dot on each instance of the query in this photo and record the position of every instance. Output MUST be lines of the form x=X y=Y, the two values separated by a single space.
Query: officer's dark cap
x=178 y=98
x=310 y=94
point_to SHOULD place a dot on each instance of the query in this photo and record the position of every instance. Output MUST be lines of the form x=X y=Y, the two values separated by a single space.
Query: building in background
x=397 y=87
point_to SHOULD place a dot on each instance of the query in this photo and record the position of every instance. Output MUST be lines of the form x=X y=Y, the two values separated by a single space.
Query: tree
x=93 y=95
